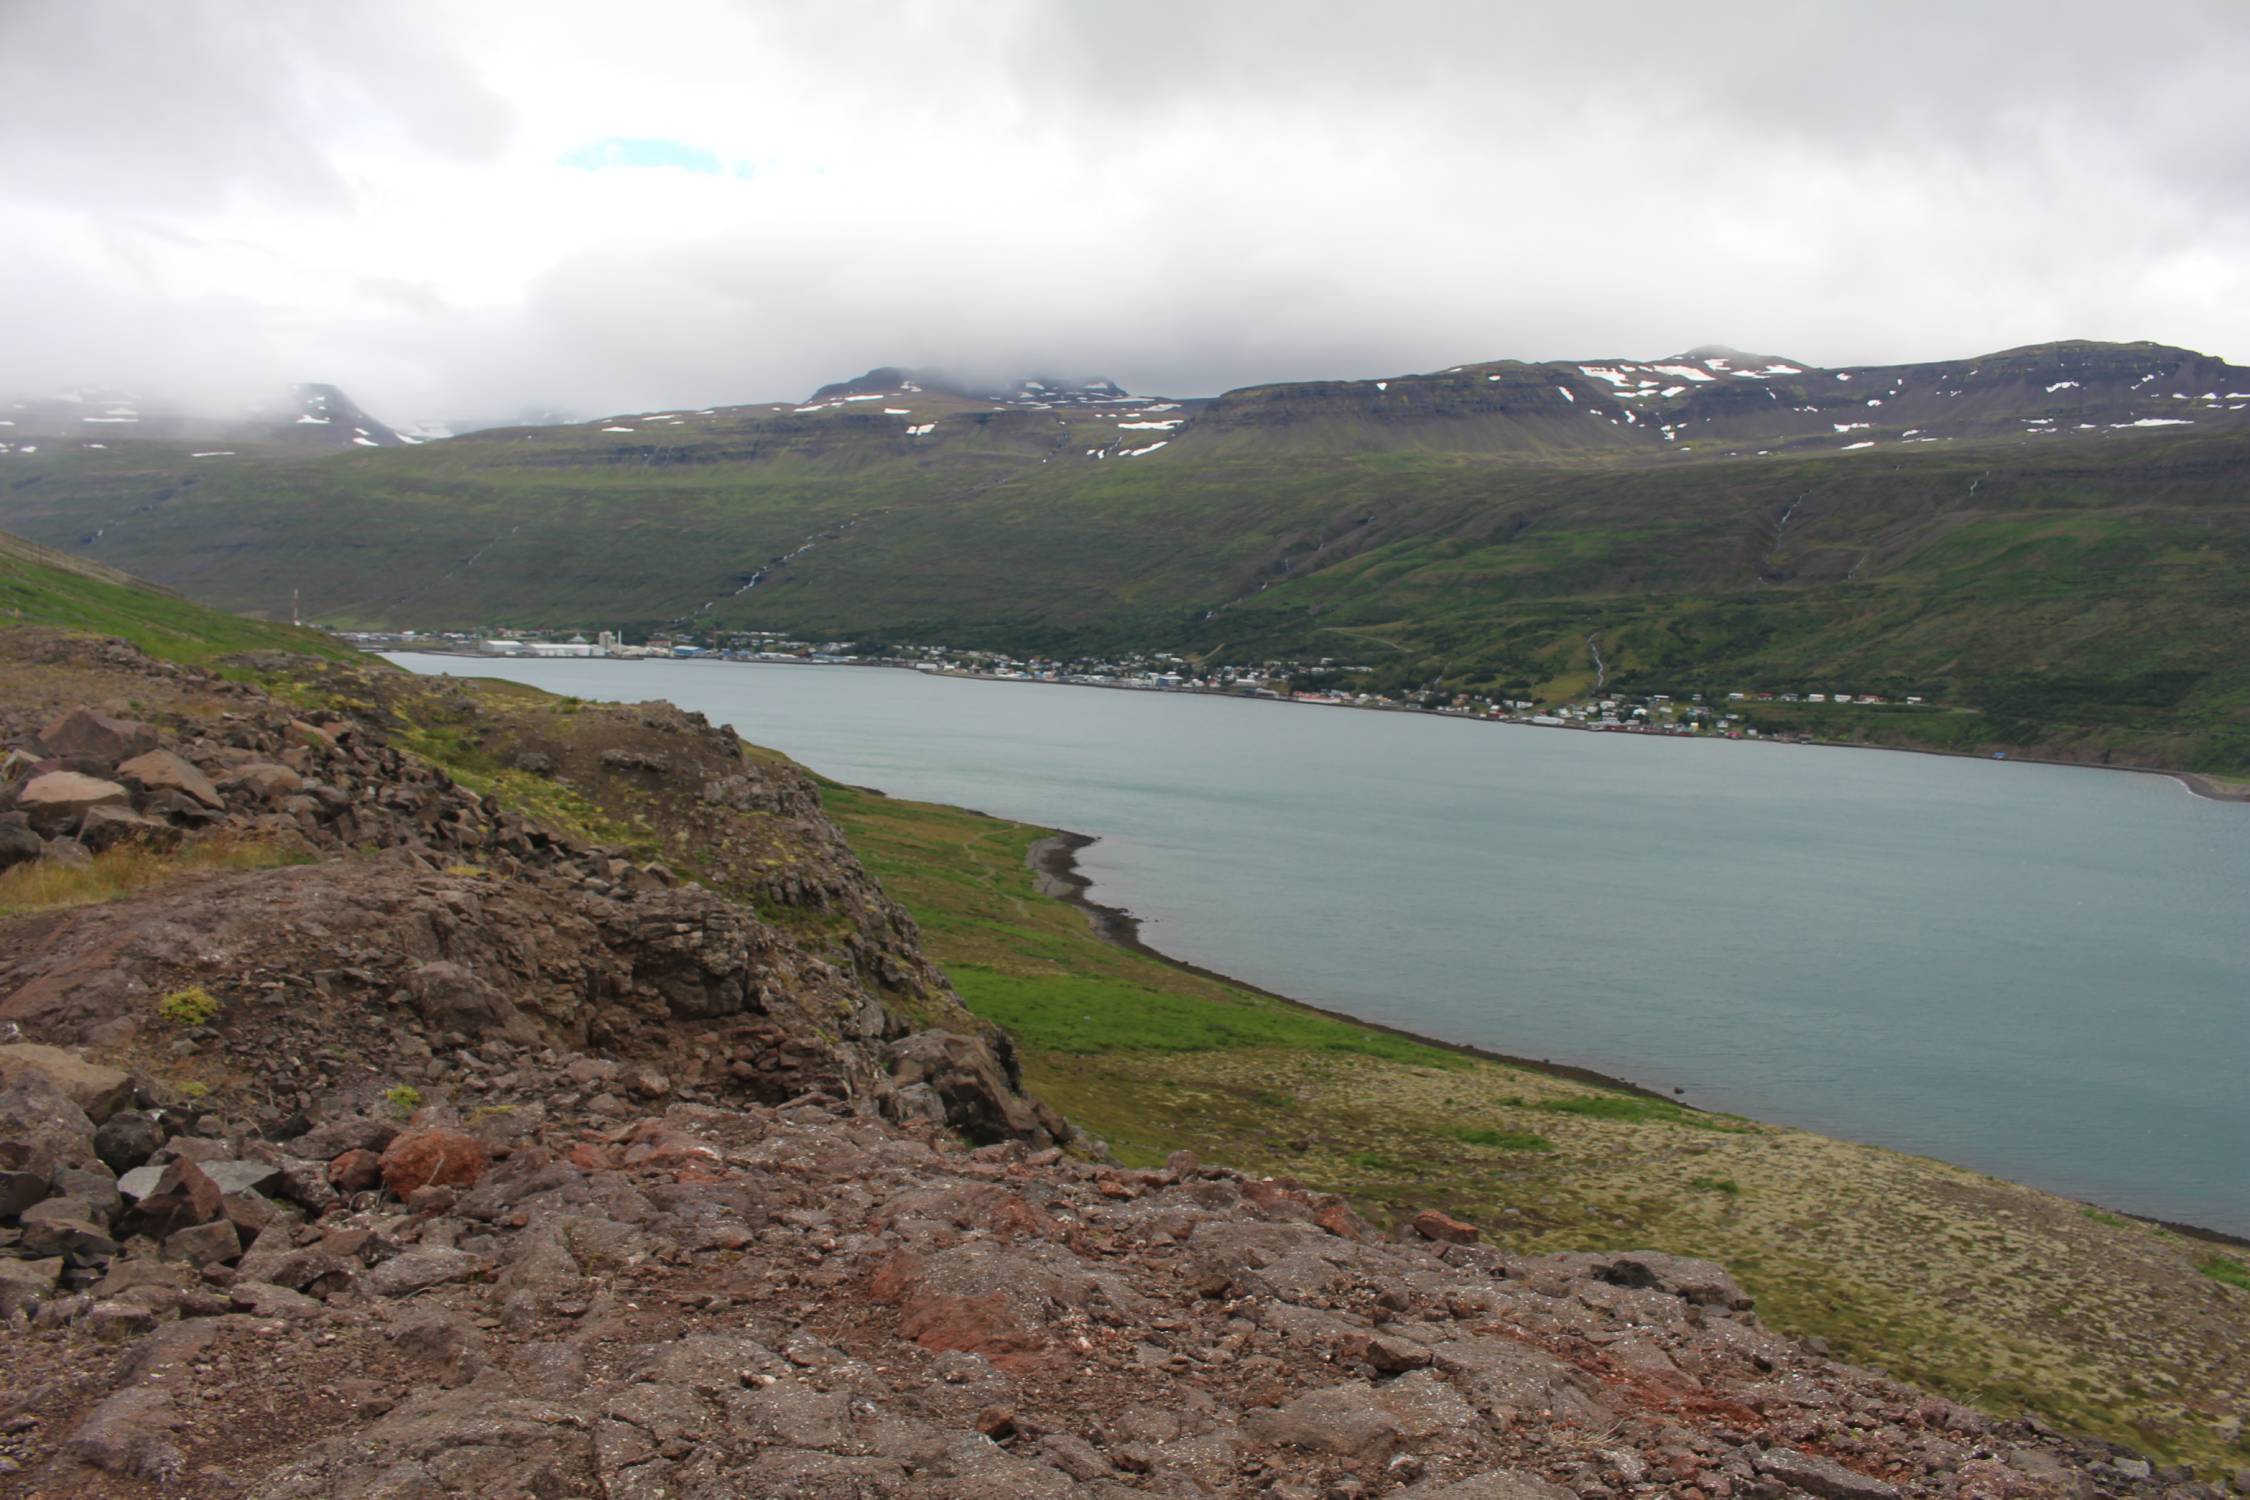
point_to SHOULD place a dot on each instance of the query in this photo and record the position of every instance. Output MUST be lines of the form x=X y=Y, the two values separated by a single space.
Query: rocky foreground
x=457 y=1155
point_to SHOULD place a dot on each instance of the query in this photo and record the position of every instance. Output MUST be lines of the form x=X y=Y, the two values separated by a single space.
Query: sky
x=473 y=211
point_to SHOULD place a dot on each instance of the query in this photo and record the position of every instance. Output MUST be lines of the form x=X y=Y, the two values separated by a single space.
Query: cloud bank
x=468 y=211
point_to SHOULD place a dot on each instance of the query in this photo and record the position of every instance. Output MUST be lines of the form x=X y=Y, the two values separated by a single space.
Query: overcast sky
x=472 y=209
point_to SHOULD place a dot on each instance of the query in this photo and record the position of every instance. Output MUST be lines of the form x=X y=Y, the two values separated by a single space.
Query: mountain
x=301 y=418
x=1041 y=394
x=2050 y=541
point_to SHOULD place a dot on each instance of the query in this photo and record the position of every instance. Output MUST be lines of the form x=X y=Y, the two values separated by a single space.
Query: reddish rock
x=1338 y=1219
x=356 y=1171
x=982 y=1326
x=1430 y=1224
x=588 y=1157
x=432 y=1158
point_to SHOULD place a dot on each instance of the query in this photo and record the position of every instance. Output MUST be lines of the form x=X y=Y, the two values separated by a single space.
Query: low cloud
x=474 y=211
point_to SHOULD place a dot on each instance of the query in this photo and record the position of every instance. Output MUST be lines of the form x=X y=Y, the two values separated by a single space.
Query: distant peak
x=1043 y=388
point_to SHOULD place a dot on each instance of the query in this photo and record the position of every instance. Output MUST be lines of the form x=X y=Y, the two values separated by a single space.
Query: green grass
x=2226 y=1270
x=43 y=587
x=1504 y=1140
x=43 y=885
x=1639 y=1110
x=1067 y=1013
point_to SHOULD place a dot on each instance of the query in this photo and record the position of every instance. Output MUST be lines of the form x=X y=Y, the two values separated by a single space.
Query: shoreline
x=2198 y=783
x=1054 y=864
x=1054 y=861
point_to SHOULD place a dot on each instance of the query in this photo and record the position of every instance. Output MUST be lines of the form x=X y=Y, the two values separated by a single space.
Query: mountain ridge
x=2042 y=537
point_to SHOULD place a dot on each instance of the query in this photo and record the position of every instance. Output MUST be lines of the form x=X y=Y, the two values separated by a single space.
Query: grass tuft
x=193 y=1006
x=46 y=885
x=1505 y=1140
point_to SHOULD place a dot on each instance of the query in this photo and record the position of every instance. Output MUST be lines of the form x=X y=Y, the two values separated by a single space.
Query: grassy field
x=1993 y=1293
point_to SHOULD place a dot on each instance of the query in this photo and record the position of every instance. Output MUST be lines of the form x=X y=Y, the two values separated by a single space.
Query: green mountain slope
x=2053 y=543
x=40 y=586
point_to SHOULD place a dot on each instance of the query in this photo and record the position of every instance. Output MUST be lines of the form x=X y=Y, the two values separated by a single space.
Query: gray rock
x=241 y=1176
x=431 y=1265
x=18 y=844
x=263 y=1299
x=1823 y=1476
x=140 y=1182
x=98 y=1092
x=116 y=1322
x=24 y=1284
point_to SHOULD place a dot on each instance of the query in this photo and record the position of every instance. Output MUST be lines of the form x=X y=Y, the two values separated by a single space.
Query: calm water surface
x=2040 y=972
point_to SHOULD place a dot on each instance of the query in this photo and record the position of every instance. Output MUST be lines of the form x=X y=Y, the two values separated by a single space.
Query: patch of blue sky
x=619 y=151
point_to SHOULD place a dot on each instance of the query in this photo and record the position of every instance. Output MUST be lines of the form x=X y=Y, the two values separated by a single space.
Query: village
x=1325 y=682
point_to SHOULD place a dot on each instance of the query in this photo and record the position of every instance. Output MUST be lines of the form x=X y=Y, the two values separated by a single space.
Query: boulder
x=449 y=997
x=304 y=1182
x=332 y=1138
x=68 y=1228
x=242 y=1176
x=355 y=1171
x=1823 y=1476
x=162 y=771
x=55 y=802
x=215 y=1243
x=18 y=844
x=429 y=1266
x=83 y=732
x=265 y=781
x=98 y=1091
x=262 y=1299
x=432 y=1158
x=1431 y=1224
x=126 y=1140
x=981 y=1099
x=42 y=1127
x=179 y=1196
x=107 y=827
x=24 y=1284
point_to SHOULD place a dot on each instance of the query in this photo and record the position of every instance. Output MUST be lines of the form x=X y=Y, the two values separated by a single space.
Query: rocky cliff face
x=472 y=1156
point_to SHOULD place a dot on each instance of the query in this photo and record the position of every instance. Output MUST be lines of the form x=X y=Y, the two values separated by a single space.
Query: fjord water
x=2039 y=972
